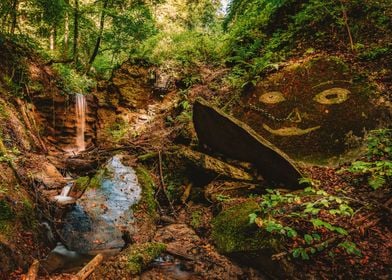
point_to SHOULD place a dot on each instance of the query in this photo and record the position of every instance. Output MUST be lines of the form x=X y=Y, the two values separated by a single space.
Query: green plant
x=378 y=167
x=301 y=216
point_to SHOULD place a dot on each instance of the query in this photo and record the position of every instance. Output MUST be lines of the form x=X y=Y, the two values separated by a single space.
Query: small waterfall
x=80 y=109
x=63 y=196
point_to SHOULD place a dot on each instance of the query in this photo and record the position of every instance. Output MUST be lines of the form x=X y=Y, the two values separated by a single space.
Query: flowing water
x=80 y=111
x=102 y=216
x=99 y=220
x=63 y=197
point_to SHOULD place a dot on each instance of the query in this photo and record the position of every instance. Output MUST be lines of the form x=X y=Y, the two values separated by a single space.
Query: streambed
x=101 y=217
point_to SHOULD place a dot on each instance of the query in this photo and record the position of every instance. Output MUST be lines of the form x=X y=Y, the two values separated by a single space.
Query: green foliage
x=263 y=33
x=378 y=168
x=280 y=214
x=351 y=248
x=118 y=130
x=187 y=48
x=72 y=81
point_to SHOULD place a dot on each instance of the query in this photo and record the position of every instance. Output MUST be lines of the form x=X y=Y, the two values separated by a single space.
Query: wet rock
x=228 y=135
x=48 y=174
x=233 y=235
x=215 y=166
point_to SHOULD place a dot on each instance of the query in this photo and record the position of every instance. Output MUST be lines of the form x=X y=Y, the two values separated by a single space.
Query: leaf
x=316 y=236
x=296 y=252
x=304 y=255
x=252 y=218
x=308 y=239
x=291 y=232
x=341 y=231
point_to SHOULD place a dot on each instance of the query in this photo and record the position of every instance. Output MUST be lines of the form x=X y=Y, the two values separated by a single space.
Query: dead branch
x=90 y=267
x=33 y=271
x=163 y=183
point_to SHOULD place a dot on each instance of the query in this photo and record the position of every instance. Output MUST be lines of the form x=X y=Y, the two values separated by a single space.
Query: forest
x=195 y=139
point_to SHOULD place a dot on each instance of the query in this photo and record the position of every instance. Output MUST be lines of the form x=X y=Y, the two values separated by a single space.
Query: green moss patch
x=140 y=255
x=148 y=189
x=233 y=233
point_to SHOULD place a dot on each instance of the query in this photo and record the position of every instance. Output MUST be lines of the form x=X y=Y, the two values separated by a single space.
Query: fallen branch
x=163 y=183
x=90 y=267
x=33 y=271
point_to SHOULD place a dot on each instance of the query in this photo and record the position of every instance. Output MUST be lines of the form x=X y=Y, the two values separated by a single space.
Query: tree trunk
x=52 y=38
x=76 y=32
x=99 y=38
x=66 y=35
x=14 y=16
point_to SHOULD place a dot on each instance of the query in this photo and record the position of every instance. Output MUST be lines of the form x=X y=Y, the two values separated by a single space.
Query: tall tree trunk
x=76 y=32
x=52 y=38
x=99 y=38
x=66 y=35
x=14 y=16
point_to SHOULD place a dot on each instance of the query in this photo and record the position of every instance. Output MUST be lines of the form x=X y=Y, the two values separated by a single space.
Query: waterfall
x=80 y=109
x=63 y=196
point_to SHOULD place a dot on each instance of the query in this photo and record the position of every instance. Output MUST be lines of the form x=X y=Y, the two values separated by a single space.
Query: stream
x=98 y=221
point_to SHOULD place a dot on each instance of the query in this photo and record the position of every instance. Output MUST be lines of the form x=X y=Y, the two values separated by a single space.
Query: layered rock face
x=59 y=115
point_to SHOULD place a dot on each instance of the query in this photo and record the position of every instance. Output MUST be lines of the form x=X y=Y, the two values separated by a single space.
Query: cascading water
x=80 y=109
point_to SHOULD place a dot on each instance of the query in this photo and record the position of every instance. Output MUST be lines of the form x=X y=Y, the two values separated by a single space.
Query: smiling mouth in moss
x=290 y=131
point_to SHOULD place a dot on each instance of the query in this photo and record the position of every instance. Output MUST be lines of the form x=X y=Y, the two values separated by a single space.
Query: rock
x=235 y=236
x=182 y=241
x=131 y=261
x=48 y=174
x=229 y=136
x=215 y=166
x=218 y=191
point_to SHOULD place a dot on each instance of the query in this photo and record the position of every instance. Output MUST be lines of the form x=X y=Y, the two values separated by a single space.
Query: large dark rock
x=229 y=136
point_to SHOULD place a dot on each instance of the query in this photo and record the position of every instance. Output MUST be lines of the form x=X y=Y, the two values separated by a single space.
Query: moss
x=140 y=255
x=6 y=212
x=27 y=215
x=196 y=219
x=96 y=181
x=82 y=183
x=233 y=233
x=148 y=188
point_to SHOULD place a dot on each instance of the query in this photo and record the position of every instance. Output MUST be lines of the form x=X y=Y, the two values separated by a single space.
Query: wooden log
x=33 y=271
x=89 y=268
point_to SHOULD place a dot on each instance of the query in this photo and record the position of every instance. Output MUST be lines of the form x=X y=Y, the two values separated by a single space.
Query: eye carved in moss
x=272 y=97
x=332 y=96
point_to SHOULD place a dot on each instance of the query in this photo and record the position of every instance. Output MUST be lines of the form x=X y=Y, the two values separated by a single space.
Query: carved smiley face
x=310 y=111
x=326 y=97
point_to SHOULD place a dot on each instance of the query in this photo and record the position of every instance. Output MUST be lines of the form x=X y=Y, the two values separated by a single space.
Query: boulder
x=234 y=236
x=229 y=136
x=214 y=166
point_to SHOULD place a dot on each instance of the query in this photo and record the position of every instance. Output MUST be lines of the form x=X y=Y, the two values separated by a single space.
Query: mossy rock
x=233 y=235
x=132 y=261
x=140 y=255
x=232 y=231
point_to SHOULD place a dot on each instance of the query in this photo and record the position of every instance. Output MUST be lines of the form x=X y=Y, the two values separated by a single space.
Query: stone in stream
x=229 y=136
